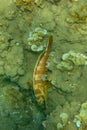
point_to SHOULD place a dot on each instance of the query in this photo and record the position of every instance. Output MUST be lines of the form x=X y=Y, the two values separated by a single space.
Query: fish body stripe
x=41 y=64
x=39 y=85
x=38 y=77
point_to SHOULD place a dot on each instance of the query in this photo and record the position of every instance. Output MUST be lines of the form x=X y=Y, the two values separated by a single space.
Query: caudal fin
x=50 y=43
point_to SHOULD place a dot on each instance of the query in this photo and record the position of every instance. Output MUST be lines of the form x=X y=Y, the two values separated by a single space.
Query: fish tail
x=49 y=43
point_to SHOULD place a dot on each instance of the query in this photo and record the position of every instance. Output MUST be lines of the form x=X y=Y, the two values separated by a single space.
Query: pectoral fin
x=29 y=84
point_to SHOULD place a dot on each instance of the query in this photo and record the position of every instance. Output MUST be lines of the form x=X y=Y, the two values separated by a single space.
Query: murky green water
x=25 y=27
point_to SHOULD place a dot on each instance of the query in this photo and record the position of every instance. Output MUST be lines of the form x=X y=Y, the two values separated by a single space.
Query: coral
x=35 y=40
x=10 y=68
x=69 y=66
x=12 y=97
x=61 y=118
x=13 y=67
x=64 y=66
x=75 y=58
x=21 y=2
x=71 y=59
x=26 y=4
x=64 y=118
x=38 y=2
x=81 y=118
x=3 y=50
x=80 y=17
x=54 y=1
x=59 y=126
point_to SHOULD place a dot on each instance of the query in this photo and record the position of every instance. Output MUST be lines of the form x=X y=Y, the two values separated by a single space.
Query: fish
x=40 y=82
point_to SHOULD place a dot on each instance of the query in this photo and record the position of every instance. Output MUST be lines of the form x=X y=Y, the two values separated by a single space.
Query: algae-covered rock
x=61 y=118
x=11 y=58
x=12 y=97
x=14 y=107
x=14 y=62
x=26 y=4
x=38 y=2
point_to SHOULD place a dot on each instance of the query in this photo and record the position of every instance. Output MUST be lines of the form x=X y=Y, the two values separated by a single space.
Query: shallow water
x=25 y=27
